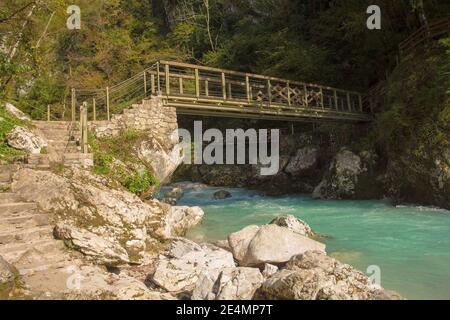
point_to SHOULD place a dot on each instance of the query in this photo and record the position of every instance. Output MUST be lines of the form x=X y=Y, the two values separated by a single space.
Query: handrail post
x=84 y=128
x=167 y=80
x=145 y=84
x=206 y=88
x=73 y=98
x=197 y=83
x=107 y=103
x=158 y=79
x=247 y=88
x=48 y=112
x=269 y=92
x=152 y=85
x=224 y=87
x=94 y=109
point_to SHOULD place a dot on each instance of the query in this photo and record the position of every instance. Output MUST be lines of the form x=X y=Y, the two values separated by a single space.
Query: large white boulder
x=229 y=284
x=180 y=271
x=103 y=251
x=23 y=139
x=270 y=244
x=239 y=241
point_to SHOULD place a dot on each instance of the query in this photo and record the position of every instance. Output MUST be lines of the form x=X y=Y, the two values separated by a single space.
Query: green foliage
x=121 y=147
x=139 y=182
x=7 y=123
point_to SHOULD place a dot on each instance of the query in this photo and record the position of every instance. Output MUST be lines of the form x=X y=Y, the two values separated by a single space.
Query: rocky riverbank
x=346 y=172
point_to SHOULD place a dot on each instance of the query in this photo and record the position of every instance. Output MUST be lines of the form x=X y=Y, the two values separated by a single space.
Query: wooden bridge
x=204 y=91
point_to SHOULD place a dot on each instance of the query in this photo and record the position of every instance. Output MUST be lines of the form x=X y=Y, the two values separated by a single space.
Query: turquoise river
x=410 y=244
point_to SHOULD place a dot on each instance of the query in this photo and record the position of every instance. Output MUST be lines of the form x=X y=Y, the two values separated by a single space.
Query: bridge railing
x=193 y=83
x=199 y=82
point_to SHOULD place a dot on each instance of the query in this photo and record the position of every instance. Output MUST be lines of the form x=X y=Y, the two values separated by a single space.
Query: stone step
x=5 y=176
x=49 y=124
x=38 y=159
x=11 y=208
x=27 y=219
x=29 y=234
x=12 y=251
x=37 y=166
x=9 y=197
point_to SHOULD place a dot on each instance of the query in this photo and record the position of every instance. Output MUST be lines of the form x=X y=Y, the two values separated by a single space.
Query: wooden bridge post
x=321 y=98
x=306 y=94
x=336 y=101
x=349 y=102
x=288 y=93
x=73 y=98
x=48 y=112
x=206 y=88
x=167 y=78
x=224 y=87
x=84 y=127
x=107 y=103
x=197 y=83
x=247 y=88
x=180 y=84
x=360 y=103
x=269 y=92
x=94 y=110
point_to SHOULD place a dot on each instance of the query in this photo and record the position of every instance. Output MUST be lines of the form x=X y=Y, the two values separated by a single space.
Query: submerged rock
x=255 y=246
x=23 y=139
x=315 y=276
x=229 y=284
x=294 y=224
x=222 y=194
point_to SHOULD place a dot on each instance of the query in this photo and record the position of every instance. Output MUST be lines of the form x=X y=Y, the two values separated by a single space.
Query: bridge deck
x=199 y=90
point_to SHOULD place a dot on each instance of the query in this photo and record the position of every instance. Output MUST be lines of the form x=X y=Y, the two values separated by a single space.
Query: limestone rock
x=177 y=220
x=222 y=194
x=342 y=177
x=253 y=245
x=23 y=139
x=240 y=240
x=294 y=224
x=304 y=159
x=229 y=284
x=16 y=112
x=182 y=272
x=269 y=270
x=316 y=276
x=175 y=193
x=8 y=276
x=163 y=160
x=104 y=251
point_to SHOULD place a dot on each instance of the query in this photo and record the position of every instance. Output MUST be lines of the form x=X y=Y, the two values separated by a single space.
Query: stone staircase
x=27 y=242
x=62 y=138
